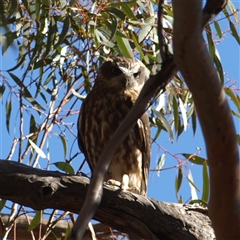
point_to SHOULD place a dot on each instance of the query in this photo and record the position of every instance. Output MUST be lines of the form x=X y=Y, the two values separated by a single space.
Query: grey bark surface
x=124 y=211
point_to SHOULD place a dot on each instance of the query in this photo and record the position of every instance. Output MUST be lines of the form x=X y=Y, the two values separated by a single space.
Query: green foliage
x=195 y=159
x=68 y=231
x=8 y=114
x=206 y=189
x=63 y=166
x=160 y=163
x=58 y=46
x=178 y=183
x=2 y=204
x=35 y=221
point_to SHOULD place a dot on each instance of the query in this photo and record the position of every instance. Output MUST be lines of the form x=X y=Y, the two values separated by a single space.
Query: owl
x=116 y=88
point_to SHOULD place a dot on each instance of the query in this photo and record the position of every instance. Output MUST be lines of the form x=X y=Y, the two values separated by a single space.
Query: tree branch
x=22 y=223
x=125 y=211
x=60 y=227
x=196 y=66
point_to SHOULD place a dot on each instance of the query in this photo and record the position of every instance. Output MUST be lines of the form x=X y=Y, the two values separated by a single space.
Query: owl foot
x=125 y=187
x=113 y=182
x=131 y=189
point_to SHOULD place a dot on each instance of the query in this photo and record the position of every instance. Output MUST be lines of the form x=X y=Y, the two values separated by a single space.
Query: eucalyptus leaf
x=195 y=159
x=165 y=123
x=161 y=163
x=63 y=166
x=184 y=114
x=178 y=180
x=35 y=221
x=38 y=150
x=8 y=114
x=64 y=144
x=124 y=46
x=206 y=187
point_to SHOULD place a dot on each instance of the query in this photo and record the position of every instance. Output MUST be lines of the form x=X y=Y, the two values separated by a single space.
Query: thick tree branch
x=215 y=117
x=22 y=224
x=126 y=212
x=211 y=9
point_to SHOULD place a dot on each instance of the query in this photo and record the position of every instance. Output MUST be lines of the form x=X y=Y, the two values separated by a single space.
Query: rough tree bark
x=124 y=211
x=196 y=66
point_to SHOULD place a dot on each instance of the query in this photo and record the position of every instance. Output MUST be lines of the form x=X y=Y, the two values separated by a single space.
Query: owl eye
x=116 y=71
x=137 y=75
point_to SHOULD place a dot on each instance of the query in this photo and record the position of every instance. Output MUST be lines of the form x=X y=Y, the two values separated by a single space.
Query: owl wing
x=81 y=134
x=145 y=146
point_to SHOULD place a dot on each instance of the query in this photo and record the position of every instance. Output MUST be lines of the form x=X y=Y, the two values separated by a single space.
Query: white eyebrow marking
x=130 y=71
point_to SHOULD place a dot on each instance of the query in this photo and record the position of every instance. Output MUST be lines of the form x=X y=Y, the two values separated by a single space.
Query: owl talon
x=113 y=182
x=125 y=185
x=131 y=189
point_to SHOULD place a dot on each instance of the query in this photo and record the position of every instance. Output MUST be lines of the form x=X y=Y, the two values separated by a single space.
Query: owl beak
x=128 y=78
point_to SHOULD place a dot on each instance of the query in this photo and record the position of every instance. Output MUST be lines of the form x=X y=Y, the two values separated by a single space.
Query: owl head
x=122 y=73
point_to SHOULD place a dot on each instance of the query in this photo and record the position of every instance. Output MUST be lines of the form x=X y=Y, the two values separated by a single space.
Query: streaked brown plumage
x=116 y=88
